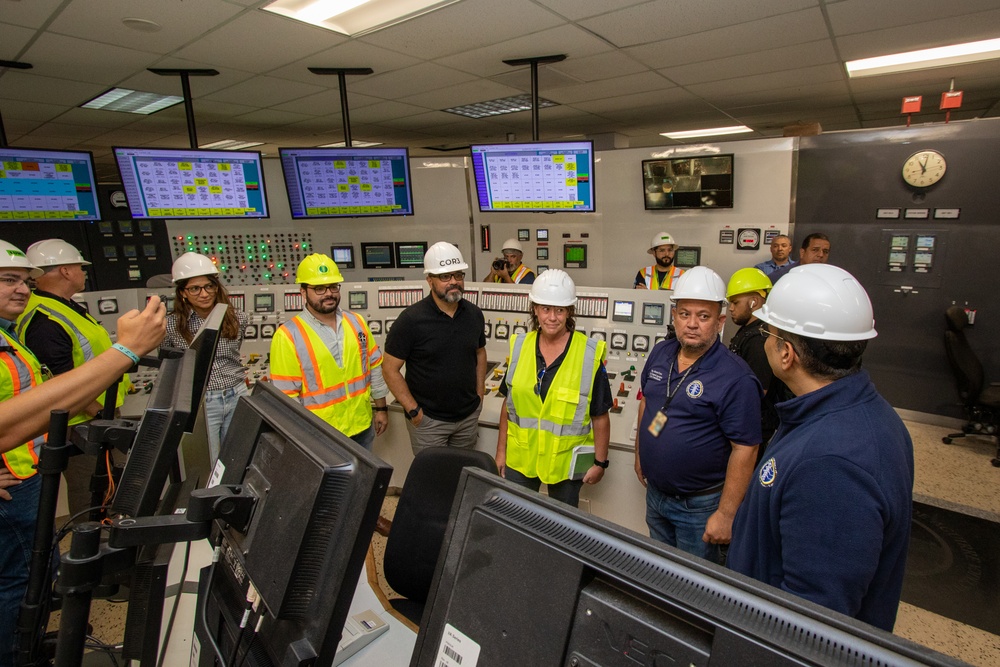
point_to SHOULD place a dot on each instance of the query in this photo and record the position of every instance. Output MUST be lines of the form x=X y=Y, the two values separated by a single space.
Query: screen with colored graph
x=38 y=185
x=544 y=177
x=190 y=183
x=347 y=182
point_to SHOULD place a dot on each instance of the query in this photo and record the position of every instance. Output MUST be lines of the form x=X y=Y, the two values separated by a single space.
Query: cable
x=203 y=606
x=108 y=649
x=173 y=612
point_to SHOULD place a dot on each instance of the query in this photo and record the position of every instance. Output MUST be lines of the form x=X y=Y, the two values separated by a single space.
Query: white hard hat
x=192 y=264
x=443 y=257
x=512 y=244
x=553 y=287
x=701 y=283
x=820 y=301
x=54 y=252
x=661 y=238
x=11 y=257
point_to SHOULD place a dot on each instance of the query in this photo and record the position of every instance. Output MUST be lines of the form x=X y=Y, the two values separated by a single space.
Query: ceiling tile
x=80 y=60
x=264 y=91
x=749 y=64
x=854 y=16
x=480 y=90
x=928 y=34
x=350 y=54
x=614 y=87
x=771 y=81
x=410 y=81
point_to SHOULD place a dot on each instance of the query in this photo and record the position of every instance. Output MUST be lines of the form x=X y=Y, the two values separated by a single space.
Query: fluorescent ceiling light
x=132 y=101
x=956 y=54
x=231 y=145
x=499 y=107
x=354 y=17
x=707 y=132
x=354 y=144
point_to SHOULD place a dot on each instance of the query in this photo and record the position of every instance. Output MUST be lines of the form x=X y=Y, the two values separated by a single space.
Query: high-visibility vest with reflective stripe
x=521 y=272
x=652 y=278
x=304 y=368
x=541 y=435
x=19 y=372
x=89 y=338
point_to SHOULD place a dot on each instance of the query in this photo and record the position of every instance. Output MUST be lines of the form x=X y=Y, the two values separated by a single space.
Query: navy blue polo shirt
x=716 y=404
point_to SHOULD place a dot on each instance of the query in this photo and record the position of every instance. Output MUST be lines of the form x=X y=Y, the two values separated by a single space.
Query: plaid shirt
x=227 y=369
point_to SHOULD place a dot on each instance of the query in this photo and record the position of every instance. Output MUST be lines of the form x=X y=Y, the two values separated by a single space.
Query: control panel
x=250 y=259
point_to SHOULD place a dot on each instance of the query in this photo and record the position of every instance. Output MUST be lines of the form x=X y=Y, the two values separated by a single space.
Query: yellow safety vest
x=521 y=272
x=19 y=372
x=651 y=277
x=89 y=338
x=541 y=435
x=304 y=368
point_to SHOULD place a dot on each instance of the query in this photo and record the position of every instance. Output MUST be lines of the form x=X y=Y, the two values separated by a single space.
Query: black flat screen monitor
x=410 y=254
x=347 y=182
x=168 y=183
x=343 y=255
x=578 y=590
x=318 y=495
x=171 y=411
x=39 y=185
x=688 y=182
x=378 y=256
x=540 y=177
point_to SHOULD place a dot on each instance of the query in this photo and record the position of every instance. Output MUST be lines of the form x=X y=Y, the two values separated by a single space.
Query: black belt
x=705 y=492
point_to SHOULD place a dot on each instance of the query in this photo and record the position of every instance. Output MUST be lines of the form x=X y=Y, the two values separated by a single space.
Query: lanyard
x=671 y=394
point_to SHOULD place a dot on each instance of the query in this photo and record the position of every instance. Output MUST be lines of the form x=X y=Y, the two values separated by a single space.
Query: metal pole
x=189 y=109
x=342 y=73
x=533 y=63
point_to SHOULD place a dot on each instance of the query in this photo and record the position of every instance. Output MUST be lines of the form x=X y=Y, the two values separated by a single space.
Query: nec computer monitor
x=318 y=498
x=171 y=412
x=546 y=177
x=347 y=182
x=688 y=182
x=47 y=185
x=524 y=580
x=168 y=183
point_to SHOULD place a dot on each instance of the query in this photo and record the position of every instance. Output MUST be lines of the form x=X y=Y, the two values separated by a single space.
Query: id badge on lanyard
x=659 y=421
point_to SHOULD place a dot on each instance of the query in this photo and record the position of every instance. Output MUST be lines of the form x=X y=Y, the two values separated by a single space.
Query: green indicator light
x=224 y=267
x=263 y=256
x=267 y=276
x=280 y=265
x=263 y=246
x=189 y=237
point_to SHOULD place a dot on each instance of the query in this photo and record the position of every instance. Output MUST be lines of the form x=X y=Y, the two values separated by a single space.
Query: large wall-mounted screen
x=347 y=182
x=688 y=182
x=167 y=183
x=38 y=185
x=545 y=177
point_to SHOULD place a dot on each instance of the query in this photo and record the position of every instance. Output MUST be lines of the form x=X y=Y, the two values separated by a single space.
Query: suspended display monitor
x=347 y=182
x=542 y=177
x=688 y=182
x=38 y=185
x=167 y=183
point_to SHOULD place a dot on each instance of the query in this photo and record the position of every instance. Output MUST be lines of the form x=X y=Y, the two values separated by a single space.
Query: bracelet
x=382 y=409
x=127 y=352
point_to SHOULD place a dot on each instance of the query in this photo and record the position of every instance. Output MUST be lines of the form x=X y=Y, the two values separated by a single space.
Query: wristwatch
x=602 y=464
x=384 y=408
x=412 y=414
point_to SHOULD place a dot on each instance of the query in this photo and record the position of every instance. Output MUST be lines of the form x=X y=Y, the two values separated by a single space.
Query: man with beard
x=699 y=424
x=441 y=340
x=327 y=358
x=746 y=292
x=662 y=274
x=781 y=248
x=512 y=271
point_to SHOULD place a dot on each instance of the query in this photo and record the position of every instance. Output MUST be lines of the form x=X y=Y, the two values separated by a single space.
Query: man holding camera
x=509 y=269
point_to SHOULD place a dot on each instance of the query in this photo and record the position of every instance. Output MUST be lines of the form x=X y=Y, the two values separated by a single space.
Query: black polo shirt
x=441 y=355
x=48 y=340
x=748 y=344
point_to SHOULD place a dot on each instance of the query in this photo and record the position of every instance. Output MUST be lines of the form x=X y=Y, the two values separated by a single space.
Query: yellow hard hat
x=749 y=280
x=318 y=269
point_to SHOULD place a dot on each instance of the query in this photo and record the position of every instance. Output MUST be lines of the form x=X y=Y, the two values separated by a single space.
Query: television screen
x=378 y=256
x=547 y=177
x=343 y=255
x=347 y=182
x=192 y=183
x=688 y=182
x=37 y=185
x=410 y=254
x=584 y=591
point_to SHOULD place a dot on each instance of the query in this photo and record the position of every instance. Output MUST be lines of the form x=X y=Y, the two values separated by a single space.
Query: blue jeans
x=366 y=438
x=680 y=522
x=17 y=533
x=566 y=491
x=219 y=407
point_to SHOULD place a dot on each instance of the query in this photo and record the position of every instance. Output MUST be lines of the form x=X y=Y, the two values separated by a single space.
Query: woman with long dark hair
x=197 y=291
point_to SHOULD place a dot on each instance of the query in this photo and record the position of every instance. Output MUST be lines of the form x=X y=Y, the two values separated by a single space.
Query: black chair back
x=965 y=364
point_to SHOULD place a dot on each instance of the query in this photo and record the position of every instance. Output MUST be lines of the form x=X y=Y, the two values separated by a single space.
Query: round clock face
x=924 y=168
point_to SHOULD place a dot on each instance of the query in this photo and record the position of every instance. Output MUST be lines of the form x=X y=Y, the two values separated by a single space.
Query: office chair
x=981 y=401
x=417 y=532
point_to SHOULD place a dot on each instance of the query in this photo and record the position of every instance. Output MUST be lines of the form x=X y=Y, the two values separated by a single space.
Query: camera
x=499 y=264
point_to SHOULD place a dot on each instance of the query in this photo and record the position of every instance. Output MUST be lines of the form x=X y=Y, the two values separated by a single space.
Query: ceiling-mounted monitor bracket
x=519 y=62
x=185 y=74
x=342 y=73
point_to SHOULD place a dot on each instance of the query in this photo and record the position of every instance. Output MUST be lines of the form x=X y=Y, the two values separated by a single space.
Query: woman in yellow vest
x=554 y=422
x=197 y=291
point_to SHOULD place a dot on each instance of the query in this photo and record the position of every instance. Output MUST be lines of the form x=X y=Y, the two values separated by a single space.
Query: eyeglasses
x=458 y=276
x=14 y=283
x=320 y=290
x=765 y=332
x=538 y=385
x=210 y=288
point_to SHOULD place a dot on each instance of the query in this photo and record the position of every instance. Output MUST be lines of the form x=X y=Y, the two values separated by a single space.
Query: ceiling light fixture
x=231 y=145
x=707 y=132
x=132 y=101
x=354 y=17
x=943 y=56
x=499 y=107
x=142 y=25
x=354 y=144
